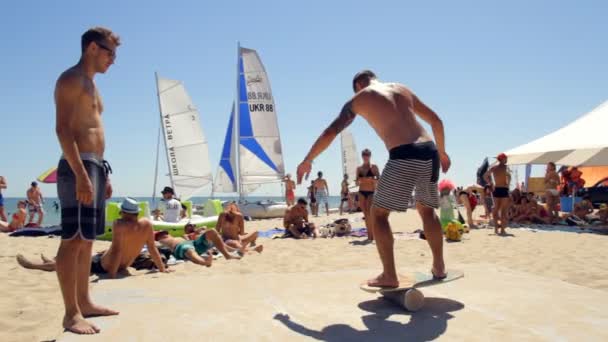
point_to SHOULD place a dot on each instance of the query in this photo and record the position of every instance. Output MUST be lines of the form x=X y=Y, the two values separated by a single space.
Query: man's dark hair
x=302 y=201
x=320 y=173
x=364 y=75
x=97 y=35
x=366 y=152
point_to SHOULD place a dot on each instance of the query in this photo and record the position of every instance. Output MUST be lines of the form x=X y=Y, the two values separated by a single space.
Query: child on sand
x=446 y=202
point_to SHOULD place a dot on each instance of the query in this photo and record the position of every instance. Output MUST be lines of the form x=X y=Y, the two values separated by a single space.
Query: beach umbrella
x=49 y=176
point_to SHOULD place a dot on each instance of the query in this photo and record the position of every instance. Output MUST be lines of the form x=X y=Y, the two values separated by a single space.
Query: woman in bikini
x=367 y=177
x=17 y=220
x=552 y=193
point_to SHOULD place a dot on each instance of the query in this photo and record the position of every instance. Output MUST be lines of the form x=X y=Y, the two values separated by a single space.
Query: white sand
x=532 y=286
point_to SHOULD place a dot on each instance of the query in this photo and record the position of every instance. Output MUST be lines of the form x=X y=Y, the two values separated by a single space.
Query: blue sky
x=498 y=73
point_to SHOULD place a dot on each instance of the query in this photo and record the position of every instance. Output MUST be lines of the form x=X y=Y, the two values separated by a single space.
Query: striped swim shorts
x=411 y=169
x=78 y=219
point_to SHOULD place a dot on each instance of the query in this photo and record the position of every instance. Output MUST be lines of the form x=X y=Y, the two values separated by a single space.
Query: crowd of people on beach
x=28 y=210
x=409 y=179
x=520 y=206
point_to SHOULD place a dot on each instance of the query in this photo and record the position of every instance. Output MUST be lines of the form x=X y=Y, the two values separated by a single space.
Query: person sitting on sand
x=168 y=209
x=296 y=222
x=231 y=225
x=129 y=235
x=17 y=220
x=202 y=242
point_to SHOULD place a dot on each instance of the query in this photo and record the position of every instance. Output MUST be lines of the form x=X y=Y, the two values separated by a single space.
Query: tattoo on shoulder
x=345 y=118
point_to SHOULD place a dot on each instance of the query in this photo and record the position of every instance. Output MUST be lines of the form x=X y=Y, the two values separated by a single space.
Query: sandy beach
x=531 y=285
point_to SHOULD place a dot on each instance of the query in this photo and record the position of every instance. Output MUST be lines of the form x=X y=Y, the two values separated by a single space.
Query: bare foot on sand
x=79 y=325
x=259 y=248
x=383 y=281
x=92 y=310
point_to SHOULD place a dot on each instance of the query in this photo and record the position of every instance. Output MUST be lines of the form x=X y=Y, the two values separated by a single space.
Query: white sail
x=350 y=155
x=185 y=143
x=260 y=155
x=225 y=179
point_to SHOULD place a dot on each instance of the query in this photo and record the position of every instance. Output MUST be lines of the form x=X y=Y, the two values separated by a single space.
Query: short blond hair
x=98 y=34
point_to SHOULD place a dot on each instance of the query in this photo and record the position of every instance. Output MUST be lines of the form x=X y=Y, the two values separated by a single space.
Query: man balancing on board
x=391 y=109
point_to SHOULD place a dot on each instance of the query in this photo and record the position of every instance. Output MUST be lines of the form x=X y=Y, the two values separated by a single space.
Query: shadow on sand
x=424 y=325
x=361 y=242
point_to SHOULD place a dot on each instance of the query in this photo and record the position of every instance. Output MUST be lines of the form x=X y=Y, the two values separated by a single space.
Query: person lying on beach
x=296 y=222
x=202 y=240
x=17 y=220
x=129 y=235
x=231 y=225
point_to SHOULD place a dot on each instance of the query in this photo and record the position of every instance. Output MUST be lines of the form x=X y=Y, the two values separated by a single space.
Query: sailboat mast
x=156 y=165
x=162 y=125
x=237 y=122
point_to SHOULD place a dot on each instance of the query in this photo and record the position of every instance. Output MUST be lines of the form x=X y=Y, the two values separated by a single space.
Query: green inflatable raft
x=211 y=210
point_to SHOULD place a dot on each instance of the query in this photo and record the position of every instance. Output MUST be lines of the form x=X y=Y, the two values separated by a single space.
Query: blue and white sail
x=185 y=143
x=259 y=156
x=225 y=179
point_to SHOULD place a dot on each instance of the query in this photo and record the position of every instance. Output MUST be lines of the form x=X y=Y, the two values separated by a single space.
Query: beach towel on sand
x=44 y=231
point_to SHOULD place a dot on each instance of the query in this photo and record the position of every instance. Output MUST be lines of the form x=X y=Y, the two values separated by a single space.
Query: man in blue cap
x=129 y=235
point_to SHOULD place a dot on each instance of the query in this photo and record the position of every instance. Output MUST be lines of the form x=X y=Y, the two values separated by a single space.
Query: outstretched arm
x=114 y=254
x=346 y=117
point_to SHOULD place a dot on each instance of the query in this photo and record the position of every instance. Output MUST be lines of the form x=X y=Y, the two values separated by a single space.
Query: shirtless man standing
x=2 y=186
x=232 y=227
x=82 y=175
x=502 y=201
x=35 y=200
x=321 y=191
x=290 y=188
x=129 y=235
x=391 y=109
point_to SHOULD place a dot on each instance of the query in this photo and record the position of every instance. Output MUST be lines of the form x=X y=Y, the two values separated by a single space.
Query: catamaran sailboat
x=252 y=153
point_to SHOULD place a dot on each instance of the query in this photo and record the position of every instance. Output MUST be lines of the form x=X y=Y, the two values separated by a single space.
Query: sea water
x=52 y=216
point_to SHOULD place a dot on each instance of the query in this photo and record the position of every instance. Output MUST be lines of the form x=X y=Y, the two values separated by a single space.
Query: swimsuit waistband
x=94 y=158
x=421 y=151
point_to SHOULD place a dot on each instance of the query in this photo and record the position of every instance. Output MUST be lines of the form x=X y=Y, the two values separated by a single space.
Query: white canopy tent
x=584 y=142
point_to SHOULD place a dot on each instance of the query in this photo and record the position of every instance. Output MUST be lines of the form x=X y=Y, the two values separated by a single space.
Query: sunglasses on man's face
x=111 y=53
